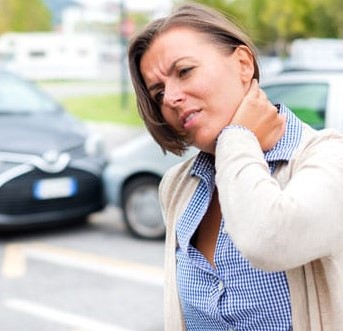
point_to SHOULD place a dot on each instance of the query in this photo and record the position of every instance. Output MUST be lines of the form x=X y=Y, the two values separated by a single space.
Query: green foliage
x=273 y=24
x=333 y=9
x=22 y=16
x=222 y=5
x=104 y=108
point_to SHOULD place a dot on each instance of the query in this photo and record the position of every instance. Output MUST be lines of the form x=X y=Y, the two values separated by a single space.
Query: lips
x=187 y=116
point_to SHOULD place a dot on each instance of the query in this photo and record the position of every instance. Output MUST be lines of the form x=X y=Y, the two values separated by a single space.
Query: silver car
x=131 y=182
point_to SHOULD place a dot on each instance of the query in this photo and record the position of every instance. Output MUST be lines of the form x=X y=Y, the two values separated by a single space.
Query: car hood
x=31 y=134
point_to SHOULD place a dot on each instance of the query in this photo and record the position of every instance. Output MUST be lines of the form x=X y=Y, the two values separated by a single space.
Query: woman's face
x=197 y=84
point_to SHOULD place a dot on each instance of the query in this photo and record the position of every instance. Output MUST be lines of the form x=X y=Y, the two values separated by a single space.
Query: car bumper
x=20 y=204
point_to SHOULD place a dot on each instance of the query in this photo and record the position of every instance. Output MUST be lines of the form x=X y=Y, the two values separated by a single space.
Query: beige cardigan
x=290 y=222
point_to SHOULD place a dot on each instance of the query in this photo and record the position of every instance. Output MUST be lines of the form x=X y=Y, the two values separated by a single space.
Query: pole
x=123 y=57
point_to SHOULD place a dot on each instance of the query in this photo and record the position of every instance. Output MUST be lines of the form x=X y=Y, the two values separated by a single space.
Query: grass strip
x=113 y=108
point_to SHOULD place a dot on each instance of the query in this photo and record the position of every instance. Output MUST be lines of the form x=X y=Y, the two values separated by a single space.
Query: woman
x=255 y=220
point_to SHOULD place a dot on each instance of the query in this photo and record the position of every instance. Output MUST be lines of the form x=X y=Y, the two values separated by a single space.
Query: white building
x=55 y=55
x=74 y=52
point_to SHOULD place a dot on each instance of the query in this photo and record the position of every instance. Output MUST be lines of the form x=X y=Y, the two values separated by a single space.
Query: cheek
x=228 y=99
x=170 y=116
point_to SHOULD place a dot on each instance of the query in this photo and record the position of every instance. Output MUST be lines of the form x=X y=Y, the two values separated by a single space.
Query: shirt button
x=220 y=285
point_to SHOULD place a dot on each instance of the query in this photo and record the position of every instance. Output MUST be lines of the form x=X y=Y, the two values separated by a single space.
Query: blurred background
x=81 y=232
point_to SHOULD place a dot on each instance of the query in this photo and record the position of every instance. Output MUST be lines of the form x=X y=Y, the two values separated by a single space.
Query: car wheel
x=141 y=208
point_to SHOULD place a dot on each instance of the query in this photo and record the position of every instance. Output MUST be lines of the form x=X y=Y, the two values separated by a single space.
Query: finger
x=253 y=88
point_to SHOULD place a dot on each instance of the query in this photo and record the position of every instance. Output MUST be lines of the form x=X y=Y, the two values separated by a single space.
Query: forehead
x=172 y=45
x=177 y=32
x=176 y=39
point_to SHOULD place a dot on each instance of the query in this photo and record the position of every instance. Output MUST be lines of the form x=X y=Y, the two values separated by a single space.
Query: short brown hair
x=220 y=29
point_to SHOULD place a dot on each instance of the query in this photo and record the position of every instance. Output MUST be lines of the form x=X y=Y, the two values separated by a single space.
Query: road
x=88 y=277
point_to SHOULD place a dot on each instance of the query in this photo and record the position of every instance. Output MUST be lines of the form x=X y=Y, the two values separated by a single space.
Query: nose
x=173 y=95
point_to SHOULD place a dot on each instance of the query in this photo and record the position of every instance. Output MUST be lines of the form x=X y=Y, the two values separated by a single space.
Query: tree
x=274 y=24
x=333 y=9
x=20 y=16
x=286 y=20
x=221 y=5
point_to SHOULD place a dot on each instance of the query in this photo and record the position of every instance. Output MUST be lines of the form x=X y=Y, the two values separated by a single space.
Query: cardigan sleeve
x=279 y=228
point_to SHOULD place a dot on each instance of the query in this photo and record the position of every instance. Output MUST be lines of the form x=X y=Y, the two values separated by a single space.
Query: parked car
x=50 y=163
x=314 y=96
x=131 y=182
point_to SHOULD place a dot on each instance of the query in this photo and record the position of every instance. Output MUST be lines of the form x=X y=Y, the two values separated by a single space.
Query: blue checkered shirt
x=234 y=295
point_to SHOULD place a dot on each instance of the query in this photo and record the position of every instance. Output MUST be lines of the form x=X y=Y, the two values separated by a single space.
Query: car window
x=17 y=95
x=307 y=100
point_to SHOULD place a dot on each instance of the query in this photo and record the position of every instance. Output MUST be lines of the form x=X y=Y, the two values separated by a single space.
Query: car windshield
x=306 y=100
x=19 y=96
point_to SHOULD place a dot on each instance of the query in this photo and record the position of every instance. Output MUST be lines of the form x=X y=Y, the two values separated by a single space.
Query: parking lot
x=88 y=277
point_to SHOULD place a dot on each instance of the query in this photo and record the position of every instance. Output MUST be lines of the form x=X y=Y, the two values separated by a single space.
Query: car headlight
x=94 y=144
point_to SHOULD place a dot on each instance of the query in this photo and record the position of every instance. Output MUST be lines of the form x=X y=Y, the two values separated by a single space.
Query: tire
x=141 y=208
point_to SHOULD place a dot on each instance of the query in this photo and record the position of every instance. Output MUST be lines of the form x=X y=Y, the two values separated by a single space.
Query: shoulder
x=319 y=152
x=327 y=134
x=326 y=143
x=176 y=177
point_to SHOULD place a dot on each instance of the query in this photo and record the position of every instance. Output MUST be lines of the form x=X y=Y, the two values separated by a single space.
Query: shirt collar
x=282 y=151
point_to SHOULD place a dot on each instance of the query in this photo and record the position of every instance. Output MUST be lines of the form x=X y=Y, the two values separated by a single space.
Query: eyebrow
x=169 y=71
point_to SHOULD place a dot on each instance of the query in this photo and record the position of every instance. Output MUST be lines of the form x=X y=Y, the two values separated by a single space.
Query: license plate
x=53 y=188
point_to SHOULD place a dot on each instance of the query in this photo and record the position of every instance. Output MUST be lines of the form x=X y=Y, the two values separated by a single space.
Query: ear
x=246 y=61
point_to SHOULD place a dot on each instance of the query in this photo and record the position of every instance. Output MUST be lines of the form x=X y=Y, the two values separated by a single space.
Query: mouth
x=187 y=117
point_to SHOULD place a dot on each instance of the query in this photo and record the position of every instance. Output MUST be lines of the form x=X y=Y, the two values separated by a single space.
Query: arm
x=275 y=228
